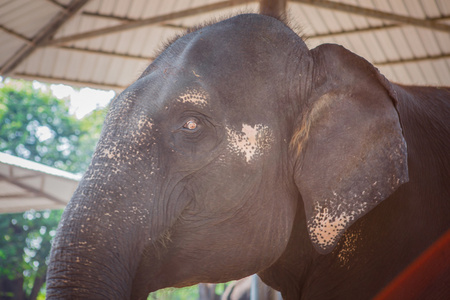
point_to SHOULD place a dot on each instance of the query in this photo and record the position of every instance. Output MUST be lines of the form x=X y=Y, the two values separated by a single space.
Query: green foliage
x=24 y=247
x=37 y=126
x=186 y=293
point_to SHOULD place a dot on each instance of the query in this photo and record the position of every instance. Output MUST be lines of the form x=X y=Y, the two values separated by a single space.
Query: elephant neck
x=289 y=273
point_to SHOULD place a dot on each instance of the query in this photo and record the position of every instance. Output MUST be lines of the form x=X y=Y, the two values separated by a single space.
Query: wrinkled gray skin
x=241 y=151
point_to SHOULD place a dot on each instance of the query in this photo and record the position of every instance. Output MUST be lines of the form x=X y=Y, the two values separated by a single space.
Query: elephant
x=239 y=150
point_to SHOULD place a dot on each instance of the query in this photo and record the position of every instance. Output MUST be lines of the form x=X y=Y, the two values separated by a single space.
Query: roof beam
x=17 y=196
x=32 y=190
x=145 y=22
x=16 y=34
x=42 y=36
x=373 y=13
x=108 y=17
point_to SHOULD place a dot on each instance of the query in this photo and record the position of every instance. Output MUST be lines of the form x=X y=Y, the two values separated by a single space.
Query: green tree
x=37 y=126
x=24 y=247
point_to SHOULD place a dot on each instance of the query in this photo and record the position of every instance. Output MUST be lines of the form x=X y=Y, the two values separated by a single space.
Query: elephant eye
x=190 y=124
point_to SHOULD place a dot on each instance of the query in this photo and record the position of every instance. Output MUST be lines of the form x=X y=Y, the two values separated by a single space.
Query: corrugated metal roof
x=106 y=43
x=28 y=185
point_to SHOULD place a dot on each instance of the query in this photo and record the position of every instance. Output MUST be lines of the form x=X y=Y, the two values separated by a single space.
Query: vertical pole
x=254 y=293
x=273 y=8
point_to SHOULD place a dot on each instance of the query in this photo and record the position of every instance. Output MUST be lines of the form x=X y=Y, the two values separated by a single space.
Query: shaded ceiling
x=107 y=43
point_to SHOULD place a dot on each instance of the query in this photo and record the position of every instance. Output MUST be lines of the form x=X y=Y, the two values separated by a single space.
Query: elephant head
x=203 y=161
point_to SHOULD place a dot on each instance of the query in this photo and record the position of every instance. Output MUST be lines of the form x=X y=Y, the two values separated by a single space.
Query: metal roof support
x=32 y=190
x=146 y=22
x=42 y=36
x=367 y=12
x=15 y=34
x=274 y=8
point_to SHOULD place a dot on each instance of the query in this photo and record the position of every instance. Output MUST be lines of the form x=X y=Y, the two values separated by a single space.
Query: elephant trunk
x=91 y=255
x=115 y=213
x=103 y=230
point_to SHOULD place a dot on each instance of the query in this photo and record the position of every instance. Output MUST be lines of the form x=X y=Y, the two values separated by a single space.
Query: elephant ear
x=349 y=148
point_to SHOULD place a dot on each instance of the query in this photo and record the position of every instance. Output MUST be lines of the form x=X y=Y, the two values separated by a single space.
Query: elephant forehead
x=196 y=96
x=251 y=141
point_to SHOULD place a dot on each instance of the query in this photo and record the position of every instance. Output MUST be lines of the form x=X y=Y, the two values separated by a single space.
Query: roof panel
x=413 y=41
x=442 y=68
x=359 y=21
x=31 y=64
x=443 y=40
x=121 y=8
x=6 y=189
x=415 y=72
x=151 y=9
x=12 y=205
x=104 y=7
x=389 y=49
x=400 y=42
x=107 y=43
x=429 y=42
x=329 y=19
x=359 y=46
x=8 y=46
x=86 y=63
x=315 y=20
x=398 y=72
x=345 y=21
x=415 y=9
x=382 y=5
x=444 y=7
x=301 y=18
x=110 y=74
x=135 y=9
x=60 y=69
x=102 y=63
x=429 y=72
x=375 y=50
x=31 y=17
x=430 y=8
x=10 y=9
